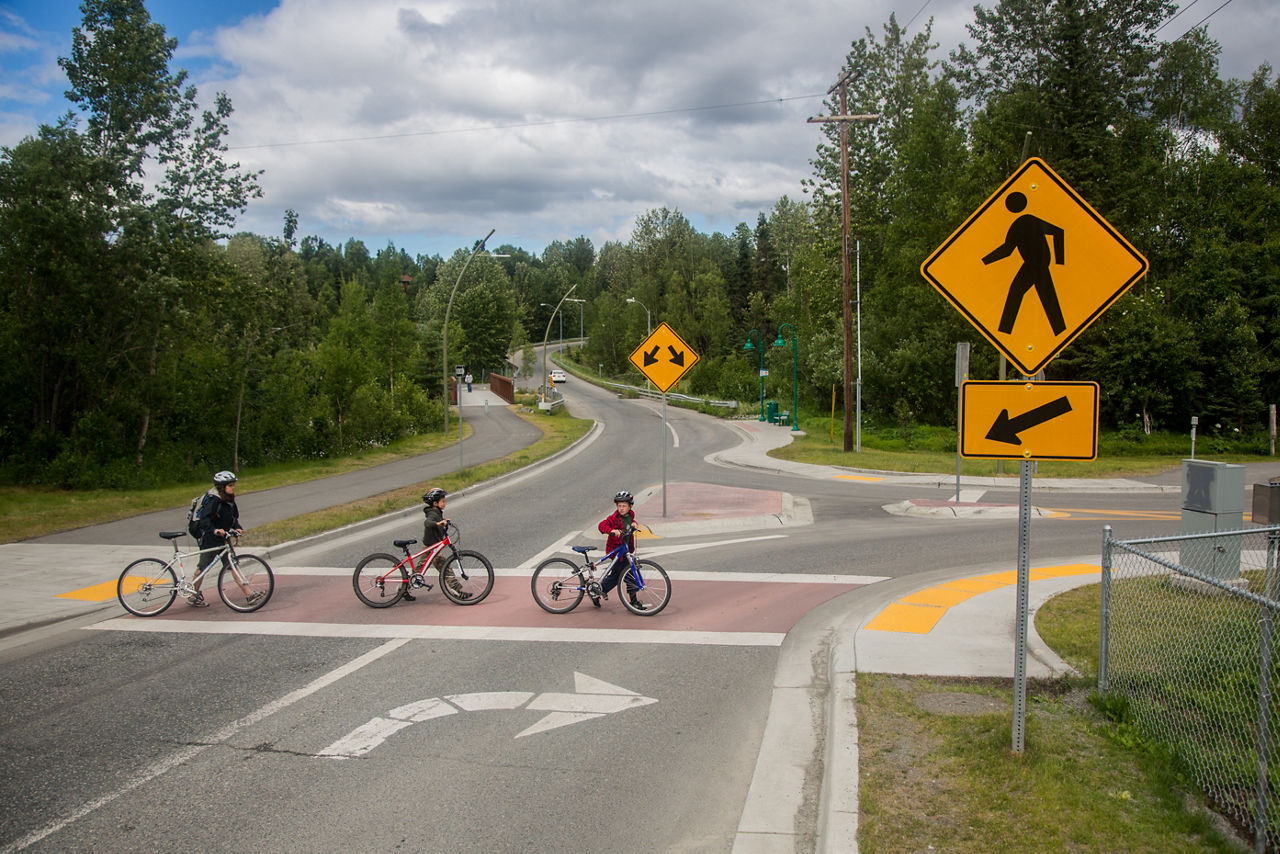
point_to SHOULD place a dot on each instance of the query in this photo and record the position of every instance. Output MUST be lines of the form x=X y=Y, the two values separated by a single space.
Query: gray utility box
x=1266 y=503
x=1212 y=500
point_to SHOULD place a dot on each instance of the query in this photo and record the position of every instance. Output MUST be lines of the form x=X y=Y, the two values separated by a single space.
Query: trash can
x=771 y=411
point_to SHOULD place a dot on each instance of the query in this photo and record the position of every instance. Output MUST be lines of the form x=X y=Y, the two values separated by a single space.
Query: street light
x=548 y=332
x=555 y=308
x=581 y=311
x=760 y=347
x=795 y=361
x=479 y=247
x=648 y=325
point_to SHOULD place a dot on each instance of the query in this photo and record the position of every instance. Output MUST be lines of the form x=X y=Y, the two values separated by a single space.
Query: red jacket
x=622 y=523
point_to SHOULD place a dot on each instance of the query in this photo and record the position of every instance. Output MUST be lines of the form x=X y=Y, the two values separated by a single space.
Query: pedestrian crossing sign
x=1033 y=266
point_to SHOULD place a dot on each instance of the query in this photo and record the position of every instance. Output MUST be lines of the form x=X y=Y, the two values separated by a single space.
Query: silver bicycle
x=148 y=586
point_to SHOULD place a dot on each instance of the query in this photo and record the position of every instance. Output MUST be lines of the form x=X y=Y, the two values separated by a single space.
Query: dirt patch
x=956 y=703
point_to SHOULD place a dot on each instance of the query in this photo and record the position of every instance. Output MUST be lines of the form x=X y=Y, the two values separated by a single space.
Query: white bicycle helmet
x=222 y=478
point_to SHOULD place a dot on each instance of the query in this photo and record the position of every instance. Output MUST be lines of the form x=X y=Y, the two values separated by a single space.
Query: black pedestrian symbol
x=1027 y=235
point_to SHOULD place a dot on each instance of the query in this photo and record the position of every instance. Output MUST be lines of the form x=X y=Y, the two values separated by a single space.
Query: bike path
x=747 y=609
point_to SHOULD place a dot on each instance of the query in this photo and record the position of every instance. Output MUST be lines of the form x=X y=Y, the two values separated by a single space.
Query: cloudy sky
x=429 y=122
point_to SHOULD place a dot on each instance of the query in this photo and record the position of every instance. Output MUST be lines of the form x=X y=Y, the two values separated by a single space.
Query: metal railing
x=640 y=391
x=1187 y=642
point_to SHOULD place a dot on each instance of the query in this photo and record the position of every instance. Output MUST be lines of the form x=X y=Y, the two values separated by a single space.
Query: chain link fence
x=1188 y=642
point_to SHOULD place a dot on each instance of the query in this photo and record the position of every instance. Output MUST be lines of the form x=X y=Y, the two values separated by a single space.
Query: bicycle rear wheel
x=248 y=585
x=146 y=587
x=557 y=585
x=467 y=578
x=380 y=581
x=652 y=590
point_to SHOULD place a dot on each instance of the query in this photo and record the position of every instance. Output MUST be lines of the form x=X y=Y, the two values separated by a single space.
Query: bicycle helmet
x=222 y=478
x=624 y=496
x=431 y=496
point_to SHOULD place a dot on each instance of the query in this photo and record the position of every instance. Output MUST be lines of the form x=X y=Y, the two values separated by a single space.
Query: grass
x=935 y=776
x=31 y=512
x=933 y=450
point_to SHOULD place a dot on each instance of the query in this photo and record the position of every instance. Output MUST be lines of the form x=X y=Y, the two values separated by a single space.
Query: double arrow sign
x=663 y=372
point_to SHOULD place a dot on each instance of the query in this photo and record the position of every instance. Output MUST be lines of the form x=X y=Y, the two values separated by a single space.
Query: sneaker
x=255 y=597
x=637 y=604
x=408 y=597
x=595 y=600
x=462 y=594
x=196 y=600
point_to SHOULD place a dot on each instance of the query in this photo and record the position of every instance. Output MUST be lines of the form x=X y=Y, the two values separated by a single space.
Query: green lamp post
x=795 y=361
x=759 y=346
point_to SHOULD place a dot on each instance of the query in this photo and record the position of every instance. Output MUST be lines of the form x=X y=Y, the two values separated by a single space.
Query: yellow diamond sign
x=664 y=358
x=1034 y=266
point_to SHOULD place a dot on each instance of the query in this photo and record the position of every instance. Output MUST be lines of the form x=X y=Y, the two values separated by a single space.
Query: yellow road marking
x=97 y=593
x=920 y=611
x=864 y=478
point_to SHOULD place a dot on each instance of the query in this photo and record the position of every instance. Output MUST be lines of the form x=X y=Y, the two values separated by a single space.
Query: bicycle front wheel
x=557 y=585
x=380 y=581
x=247 y=585
x=146 y=587
x=466 y=578
x=648 y=589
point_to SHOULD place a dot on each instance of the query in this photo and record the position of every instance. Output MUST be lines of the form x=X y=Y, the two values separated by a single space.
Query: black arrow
x=1006 y=429
x=676 y=358
x=651 y=358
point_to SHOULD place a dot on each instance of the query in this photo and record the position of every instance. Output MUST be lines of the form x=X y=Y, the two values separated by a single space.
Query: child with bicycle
x=434 y=524
x=620 y=527
x=218 y=516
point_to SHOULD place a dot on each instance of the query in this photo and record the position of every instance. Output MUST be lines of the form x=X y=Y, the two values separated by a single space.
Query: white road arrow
x=592 y=698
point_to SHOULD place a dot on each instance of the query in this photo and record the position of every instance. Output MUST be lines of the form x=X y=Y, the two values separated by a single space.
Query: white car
x=559 y=376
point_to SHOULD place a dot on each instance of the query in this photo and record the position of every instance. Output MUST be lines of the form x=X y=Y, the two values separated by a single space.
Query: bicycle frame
x=427 y=555
x=225 y=551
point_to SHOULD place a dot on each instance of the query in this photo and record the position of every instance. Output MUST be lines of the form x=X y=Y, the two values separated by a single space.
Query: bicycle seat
x=172 y=535
x=582 y=550
x=403 y=544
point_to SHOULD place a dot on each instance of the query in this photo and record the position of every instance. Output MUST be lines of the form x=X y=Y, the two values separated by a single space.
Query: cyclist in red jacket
x=620 y=527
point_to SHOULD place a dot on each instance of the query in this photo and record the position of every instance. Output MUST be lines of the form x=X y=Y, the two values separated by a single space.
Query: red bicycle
x=466 y=577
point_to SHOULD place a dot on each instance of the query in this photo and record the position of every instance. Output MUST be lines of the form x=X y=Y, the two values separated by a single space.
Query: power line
x=1225 y=3
x=514 y=125
x=916 y=15
x=1169 y=20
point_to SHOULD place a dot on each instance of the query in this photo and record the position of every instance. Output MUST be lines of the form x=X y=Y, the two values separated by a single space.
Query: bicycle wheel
x=467 y=578
x=380 y=581
x=557 y=585
x=653 y=589
x=248 y=585
x=146 y=587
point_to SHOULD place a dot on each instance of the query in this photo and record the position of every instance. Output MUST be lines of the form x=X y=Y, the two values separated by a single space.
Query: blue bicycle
x=559 y=584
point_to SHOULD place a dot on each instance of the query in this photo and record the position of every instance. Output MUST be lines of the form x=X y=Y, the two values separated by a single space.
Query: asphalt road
x=211 y=729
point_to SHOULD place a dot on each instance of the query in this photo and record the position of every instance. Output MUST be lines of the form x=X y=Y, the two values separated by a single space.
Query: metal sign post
x=664 y=358
x=1031 y=269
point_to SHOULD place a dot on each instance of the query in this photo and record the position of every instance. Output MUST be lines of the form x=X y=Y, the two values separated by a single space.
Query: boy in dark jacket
x=433 y=528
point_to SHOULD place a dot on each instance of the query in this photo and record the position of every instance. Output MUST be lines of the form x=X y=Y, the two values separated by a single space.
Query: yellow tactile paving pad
x=919 y=612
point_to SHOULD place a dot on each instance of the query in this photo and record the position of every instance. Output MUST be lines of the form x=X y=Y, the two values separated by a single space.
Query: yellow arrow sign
x=1029 y=421
x=1034 y=266
x=664 y=358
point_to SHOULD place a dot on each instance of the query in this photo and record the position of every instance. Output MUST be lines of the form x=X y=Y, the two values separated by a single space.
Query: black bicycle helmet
x=431 y=496
x=624 y=496
x=222 y=478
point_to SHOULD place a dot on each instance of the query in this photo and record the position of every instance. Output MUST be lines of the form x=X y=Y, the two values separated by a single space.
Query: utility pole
x=844 y=120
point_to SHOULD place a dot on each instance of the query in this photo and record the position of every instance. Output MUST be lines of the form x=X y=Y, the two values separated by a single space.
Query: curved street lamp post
x=758 y=346
x=795 y=360
x=444 y=342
